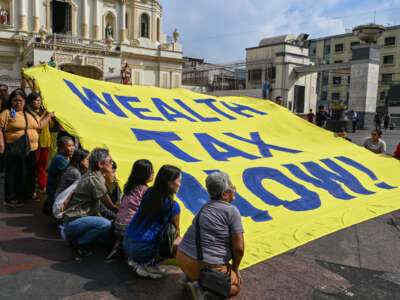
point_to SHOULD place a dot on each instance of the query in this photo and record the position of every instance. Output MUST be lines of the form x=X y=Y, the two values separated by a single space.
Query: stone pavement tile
x=24 y=234
x=365 y=284
x=379 y=245
x=289 y=277
x=340 y=247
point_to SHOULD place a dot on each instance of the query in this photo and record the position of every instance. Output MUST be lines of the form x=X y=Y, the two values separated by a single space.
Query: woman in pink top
x=142 y=173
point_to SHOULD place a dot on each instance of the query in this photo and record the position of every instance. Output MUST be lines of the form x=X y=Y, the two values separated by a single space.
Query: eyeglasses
x=3 y=91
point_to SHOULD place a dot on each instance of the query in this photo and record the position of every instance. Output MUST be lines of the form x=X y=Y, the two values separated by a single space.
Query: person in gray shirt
x=221 y=235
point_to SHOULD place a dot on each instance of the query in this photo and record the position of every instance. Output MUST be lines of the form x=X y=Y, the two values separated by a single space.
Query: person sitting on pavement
x=77 y=167
x=221 y=236
x=375 y=143
x=65 y=150
x=20 y=149
x=142 y=173
x=397 y=152
x=343 y=134
x=81 y=216
x=141 y=242
x=114 y=193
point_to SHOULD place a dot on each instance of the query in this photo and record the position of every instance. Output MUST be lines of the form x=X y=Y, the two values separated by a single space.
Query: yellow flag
x=295 y=182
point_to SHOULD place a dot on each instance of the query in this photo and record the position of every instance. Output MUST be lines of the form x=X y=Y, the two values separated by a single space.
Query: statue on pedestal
x=126 y=74
x=109 y=31
x=42 y=33
x=176 y=35
x=4 y=16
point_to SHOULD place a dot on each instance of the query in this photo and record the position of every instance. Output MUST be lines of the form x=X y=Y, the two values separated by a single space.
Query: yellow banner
x=295 y=182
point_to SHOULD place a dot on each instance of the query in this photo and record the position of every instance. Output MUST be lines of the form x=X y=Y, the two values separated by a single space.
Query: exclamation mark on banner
x=358 y=166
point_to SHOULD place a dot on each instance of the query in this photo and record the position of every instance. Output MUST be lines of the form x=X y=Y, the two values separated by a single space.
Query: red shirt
x=397 y=152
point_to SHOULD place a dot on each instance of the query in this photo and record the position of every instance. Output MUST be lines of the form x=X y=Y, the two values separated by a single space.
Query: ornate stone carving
x=134 y=43
x=109 y=42
x=63 y=58
x=176 y=35
x=80 y=59
x=96 y=62
x=43 y=33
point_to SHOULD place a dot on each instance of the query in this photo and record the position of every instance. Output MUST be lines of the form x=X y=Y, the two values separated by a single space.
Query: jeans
x=86 y=230
x=143 y=254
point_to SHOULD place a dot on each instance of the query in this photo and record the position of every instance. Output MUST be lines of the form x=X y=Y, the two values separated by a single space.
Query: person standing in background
x=354 y=120
x=35 y=102
x=264 y=89
x=386 y=121
x=310 y=116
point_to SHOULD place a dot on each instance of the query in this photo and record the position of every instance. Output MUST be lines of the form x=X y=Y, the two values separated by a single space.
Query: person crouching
x=81 y=216
x=220 y=236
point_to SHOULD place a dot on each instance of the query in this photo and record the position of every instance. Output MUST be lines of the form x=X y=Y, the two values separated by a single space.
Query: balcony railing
x=66 y=39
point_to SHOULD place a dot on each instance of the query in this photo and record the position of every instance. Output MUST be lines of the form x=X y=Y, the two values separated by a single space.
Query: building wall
x=345 y=56
x=149 y=58
x=284 y=58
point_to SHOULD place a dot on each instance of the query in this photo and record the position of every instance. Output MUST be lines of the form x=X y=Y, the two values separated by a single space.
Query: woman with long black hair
x=142 y=174
x=77 y=167
x=19 y=142
x=142 y=238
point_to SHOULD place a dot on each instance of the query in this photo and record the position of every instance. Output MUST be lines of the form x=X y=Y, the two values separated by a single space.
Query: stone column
x=23 y=15
x=74 y=19
x=135 y=22
x=36 y=14
x=122 y=32
x=364 y=83
x=96 y=20
x=85 y=20
x=153 y=26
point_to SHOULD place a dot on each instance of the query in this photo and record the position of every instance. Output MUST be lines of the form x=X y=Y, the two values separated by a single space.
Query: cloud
x=220 y=30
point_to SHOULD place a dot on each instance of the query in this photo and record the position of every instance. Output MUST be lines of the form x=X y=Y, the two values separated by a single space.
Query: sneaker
x=152 y=272
x=84 y=252
x=132 y=264
x=8 y=204
x=18 y=204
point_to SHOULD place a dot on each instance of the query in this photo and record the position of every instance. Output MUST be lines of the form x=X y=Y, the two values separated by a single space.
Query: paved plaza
x=360 y=262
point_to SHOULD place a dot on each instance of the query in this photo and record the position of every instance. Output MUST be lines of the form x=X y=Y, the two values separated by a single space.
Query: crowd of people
x=139 y=223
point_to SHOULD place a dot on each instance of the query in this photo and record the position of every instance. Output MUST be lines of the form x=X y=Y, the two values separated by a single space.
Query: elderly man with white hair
x=218 y=229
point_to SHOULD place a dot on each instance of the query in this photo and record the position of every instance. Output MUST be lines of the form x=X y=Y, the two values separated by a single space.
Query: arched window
x=144 y=25
x=158 y=30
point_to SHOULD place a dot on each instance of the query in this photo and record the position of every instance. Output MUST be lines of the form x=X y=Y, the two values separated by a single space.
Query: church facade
x=92 y=38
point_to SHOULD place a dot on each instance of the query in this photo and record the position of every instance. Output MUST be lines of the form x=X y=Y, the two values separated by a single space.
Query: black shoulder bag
x=211 y=279
x=21 y=147
x=168 y=235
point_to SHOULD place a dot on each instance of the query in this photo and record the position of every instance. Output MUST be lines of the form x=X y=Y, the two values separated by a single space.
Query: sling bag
x=21 y=147
x=211 y=279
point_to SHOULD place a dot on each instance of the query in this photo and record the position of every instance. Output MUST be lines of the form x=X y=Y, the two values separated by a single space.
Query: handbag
x=211 y=279
x=21 y=147
x=168 y=235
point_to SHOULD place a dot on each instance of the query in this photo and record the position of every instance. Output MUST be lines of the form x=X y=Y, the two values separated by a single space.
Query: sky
x=220 y=30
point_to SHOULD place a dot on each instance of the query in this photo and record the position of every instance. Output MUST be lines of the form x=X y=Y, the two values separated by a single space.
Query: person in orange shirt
x=19 y=141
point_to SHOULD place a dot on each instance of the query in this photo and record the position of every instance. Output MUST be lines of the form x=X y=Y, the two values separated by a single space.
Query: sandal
x=36 y=198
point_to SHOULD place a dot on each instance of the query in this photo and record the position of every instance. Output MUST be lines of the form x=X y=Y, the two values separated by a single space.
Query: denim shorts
x=144 y=254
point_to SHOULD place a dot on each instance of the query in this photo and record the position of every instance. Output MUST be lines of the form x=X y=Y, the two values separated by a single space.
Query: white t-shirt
x=376 y=148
